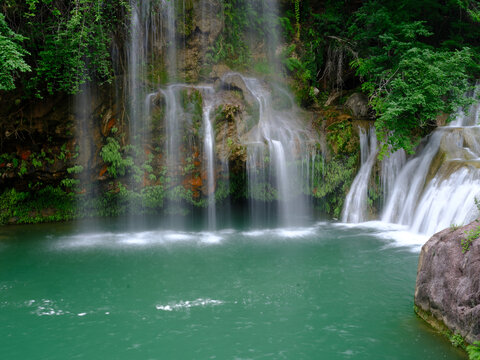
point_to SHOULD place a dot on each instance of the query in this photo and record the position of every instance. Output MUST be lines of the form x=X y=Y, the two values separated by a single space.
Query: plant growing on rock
x=457 y=340
x=471 y=236
x=474 y=351
x=111 y=154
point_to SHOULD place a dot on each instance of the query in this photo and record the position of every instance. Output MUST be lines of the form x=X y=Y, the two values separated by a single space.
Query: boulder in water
x=447 y=293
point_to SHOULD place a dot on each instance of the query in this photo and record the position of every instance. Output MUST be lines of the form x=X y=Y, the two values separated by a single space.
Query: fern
x=474 y=351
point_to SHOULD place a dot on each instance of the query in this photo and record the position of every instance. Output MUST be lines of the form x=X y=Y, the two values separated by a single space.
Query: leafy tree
x=69 y=41
x=411 y=73
x=11 y=56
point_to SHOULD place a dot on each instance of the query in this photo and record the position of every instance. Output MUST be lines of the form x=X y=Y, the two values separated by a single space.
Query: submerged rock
x=447 y=293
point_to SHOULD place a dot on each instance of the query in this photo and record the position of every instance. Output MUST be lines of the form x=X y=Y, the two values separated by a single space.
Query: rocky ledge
x=447 y=292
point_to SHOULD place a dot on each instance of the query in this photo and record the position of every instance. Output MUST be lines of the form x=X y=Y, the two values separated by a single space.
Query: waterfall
x=437 y=187
x=209 y=163
x=277 y=140
x=178 y=149
x=274 y=144
x=168 y=7
x=402 y=200
x=471 y=117
x=83 y=119
x=355 y=208
x=136 y=55
x=279 y=164
x=172 y=128
x=391 y=166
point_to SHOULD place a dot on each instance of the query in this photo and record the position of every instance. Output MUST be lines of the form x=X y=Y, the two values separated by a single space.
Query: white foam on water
x=178 y=236
x=45 y=307
x=141 y=238
x=255 y=233
x=86 y=240
x=397 y=235
x=227 y=231
x=184 y=305
x=290 y=233
x=295 y=233
x=135 y=239
x=210 y=238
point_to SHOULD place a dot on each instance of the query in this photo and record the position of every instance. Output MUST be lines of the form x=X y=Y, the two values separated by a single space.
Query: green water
x=318 y=292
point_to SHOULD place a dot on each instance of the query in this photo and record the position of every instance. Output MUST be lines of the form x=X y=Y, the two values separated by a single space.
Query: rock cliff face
x=106 y=147
x=447 y=293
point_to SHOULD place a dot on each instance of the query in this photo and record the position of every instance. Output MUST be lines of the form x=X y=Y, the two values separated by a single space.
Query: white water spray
x=355 y=208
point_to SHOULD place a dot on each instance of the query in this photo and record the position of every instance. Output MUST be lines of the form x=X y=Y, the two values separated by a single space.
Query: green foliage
x=11 y=56
x=423 y=84
x=43 y=205
x=333 y=180
x=79 y=46
x=22 y=170
x=477 y=203
x=297 y=18
x=341 y=138
x=153 y=197
x=319 y=51
x=76 y=169
x=69 y=42
x=246 y=21
x=411 y=73
x=69 y=183
x=454 y=227
x=474 y=351
x=112 y=155
x=457 y=340
x=472 y=235
x=191 y=101
x=9 y=201
x=264 y=192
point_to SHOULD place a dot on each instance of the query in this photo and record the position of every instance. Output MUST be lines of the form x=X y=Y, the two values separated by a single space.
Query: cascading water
x=276 y=141
x=137 y=54
x=168 y=7
x=391 y=166
x=408 y=187
x=209 y=163
x=172 y=129
x=355 y=208
x=437 y=188
x=83 y=118
x=276 y=144
x=181 y=102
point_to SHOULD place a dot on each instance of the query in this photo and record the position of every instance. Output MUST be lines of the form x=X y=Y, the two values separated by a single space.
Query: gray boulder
x=447 y=292
x=357 y=103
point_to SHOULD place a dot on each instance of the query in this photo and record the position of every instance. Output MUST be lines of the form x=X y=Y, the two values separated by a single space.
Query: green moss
x=455 y=339
x=341 y=137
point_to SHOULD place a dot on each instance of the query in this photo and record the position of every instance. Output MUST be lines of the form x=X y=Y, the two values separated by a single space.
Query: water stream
x=355 y=208
x=431 y=190
x=437 y=187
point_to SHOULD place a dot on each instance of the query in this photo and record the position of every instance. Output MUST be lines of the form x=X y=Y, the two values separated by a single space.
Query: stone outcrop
x=357 y=103
x=447 y=293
